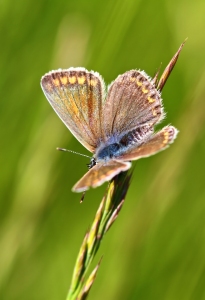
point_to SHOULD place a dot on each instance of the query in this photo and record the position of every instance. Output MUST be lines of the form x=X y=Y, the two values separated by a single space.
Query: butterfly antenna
x=66 y=150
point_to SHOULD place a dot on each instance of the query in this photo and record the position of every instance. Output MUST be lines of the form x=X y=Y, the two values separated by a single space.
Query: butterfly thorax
x=108 y=152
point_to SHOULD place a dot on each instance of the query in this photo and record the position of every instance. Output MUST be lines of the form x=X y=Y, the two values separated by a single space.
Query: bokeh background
x=156 y=249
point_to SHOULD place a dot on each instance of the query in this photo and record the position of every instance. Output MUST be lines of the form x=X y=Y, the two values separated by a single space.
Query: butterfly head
x=92 y=163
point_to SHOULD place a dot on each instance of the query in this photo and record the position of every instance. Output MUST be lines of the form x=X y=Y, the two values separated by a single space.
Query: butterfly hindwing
x=157 y=142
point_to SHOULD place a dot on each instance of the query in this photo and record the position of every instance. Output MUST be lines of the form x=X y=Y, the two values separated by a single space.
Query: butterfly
x=117 y=123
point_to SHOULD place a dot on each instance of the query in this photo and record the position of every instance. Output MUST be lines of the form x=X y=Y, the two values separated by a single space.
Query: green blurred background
x=156 y=249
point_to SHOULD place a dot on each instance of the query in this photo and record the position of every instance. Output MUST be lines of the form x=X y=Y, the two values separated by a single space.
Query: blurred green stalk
x=106 y=214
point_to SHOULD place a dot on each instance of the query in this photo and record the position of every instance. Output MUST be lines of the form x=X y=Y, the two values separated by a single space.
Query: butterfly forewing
x=132 y=101
x=77 y=97
x=103 y=171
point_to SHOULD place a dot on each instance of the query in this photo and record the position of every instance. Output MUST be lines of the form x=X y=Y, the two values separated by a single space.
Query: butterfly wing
x=157 y=142
x=76 y=95
x=99 y=174
x=132 y=101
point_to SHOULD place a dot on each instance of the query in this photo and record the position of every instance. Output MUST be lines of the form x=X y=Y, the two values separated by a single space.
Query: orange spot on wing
x=64 y=80
x=166 y=137
x=56 y=82
x=144 y=90
x=151 y=100
x=154 y=112
x=93 y=82
x=72 y=79
x=139 y=83
x=81 y=80
x=132 y=79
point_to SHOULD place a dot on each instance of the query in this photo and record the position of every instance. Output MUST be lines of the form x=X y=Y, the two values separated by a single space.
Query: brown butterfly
x=115 y=124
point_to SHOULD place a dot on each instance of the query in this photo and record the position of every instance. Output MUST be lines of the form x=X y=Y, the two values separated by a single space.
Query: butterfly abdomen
x=136 y=136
